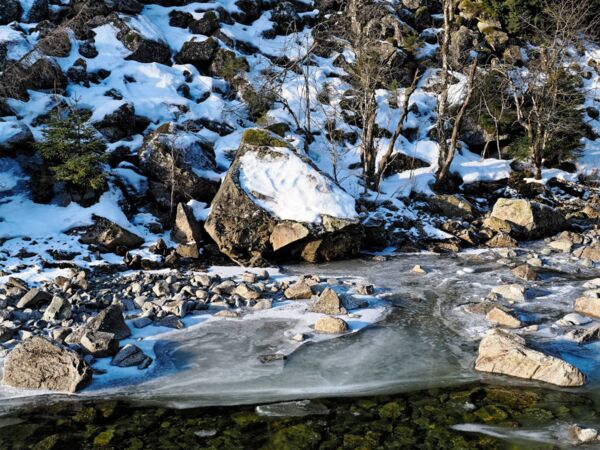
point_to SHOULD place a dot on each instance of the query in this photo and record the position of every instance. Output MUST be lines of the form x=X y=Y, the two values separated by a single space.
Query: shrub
x=73 y=152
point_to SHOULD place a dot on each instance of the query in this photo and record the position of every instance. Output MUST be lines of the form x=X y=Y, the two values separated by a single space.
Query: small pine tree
x=73 y=152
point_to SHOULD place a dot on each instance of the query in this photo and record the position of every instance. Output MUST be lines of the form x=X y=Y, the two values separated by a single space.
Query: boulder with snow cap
x=531 y=220
x=173 y=156
x=121 y=123
x=144 y=48
x=14 y=136
x=275 y=203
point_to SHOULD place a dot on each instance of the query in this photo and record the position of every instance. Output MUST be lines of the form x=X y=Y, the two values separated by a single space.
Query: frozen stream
x=427 y=340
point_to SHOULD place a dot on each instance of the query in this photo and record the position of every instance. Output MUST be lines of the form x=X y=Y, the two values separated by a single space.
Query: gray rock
x=329 y=302
x=531 y=219
x=38 y=363
x=170 y=322
x=300 y=290
x=6 y=334
x=197 y=53
x=99 y=344
x=58 y=310
x=142 y=322
x=10 y=11
x=186 y=228
x=34 y=299
x=110 y=236
x=130 y=356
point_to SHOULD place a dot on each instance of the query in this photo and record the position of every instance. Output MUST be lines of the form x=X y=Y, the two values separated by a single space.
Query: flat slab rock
x=504 y=353
x=38 y=363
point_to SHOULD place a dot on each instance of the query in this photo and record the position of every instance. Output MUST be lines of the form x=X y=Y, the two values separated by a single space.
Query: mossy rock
x=279 y=129
x=296 y=437
x=245 y=418
x=48 y=443
x=262 y=138
x=491 y=414
x=368 y=441
x=512 y=397
x=392 y=410
x=105 y=438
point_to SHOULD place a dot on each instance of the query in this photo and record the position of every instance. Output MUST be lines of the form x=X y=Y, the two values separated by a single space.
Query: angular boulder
x=38 y=363
x=588 y=306
x=110 y=236
x=197 y=53
x=329 y=302
x=274 y=203
x=186 y=228
x=532 y=220
x=330 y=325
x=504 y=353
x=171 y=156
x=109 y=320
x=34 y=299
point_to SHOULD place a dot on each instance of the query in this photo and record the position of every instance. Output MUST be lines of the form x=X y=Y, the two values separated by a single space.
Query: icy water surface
x=426 y=341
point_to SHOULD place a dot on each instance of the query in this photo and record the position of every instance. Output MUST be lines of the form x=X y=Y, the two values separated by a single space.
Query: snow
x=291 y=189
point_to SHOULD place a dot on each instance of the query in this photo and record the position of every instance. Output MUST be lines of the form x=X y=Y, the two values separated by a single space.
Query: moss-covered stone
x=262 y=138
x=296 y=437
x=104 y=438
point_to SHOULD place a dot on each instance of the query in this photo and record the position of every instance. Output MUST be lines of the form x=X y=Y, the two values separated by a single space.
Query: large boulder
x=109 y=320
x=502 y=352
x=197 y=53
x=186 y=228
x=275 y=203
x=181 y=158
x=38 y=363
x=14 y=136
x=121 y=123
x=143 y=49
x=531 y=220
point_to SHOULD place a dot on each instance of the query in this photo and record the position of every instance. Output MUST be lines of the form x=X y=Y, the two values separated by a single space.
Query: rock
x=502 y=352
x=365 y=289
x=130 y=356
x=38 y=11
x=525 y=272
x=186 y=228
x=300 y=290
x=329 y=302
x=497 y=225
x=109 y=320
x=6 y=334
x=503 y=318
x=10 y=11
x=247 y=292
x=99 y=344
x=110 y=236
x=263 y=304
x=34 y=299
x=37 y=363
x=453 y=206
x=514 y=292
x=562 y=246
x=121 y=123
x=190 y=250
x=532 y=220
x=330 y=325
x=128 y=6
x=584 y=335
x=58 y=44
x=142 y=322
x=502 y=240
x=207 y=25
x=583 y=435
x=170 y=154
x=197 y=53
x=418 y=269
x=245 y=225
x=286 y=18
x=591 y=253
x=589 y=306
x=58 y=310
x=170 y=322
x=15 y=136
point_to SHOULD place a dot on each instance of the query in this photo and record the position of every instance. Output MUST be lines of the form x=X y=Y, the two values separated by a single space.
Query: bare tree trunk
x=387 y=159
x=446 y=158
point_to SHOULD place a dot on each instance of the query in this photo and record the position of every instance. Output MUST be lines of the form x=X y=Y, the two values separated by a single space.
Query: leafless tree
x=447 y=148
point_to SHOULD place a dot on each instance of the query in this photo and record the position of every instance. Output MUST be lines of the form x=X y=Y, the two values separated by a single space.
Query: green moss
x=296 y=437
x=491 y=414
x=48 y=443
x=262 y=138
x=391 y=411
x=104 y=438
x=244 y=419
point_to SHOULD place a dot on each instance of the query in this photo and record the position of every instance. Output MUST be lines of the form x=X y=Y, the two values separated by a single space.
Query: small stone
x=418 y=269
x=34 y=299
x=58 y=310
x=141 y=322
x=525 y=272
x=227 y=314
x=247 y=292
x=130 y=356
x=589 y=306
x=503 y=318
x=300 y=290
x=249 y=277
x=583 y=435
x=562 y=246
x=170 y=322
x=263 y=304
x=365 y=289
x=329 y=302
x=514 y=292
x=6 y=334
x=535 y=262
x=300 y=337
x=330 y=325
x=99 y=344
